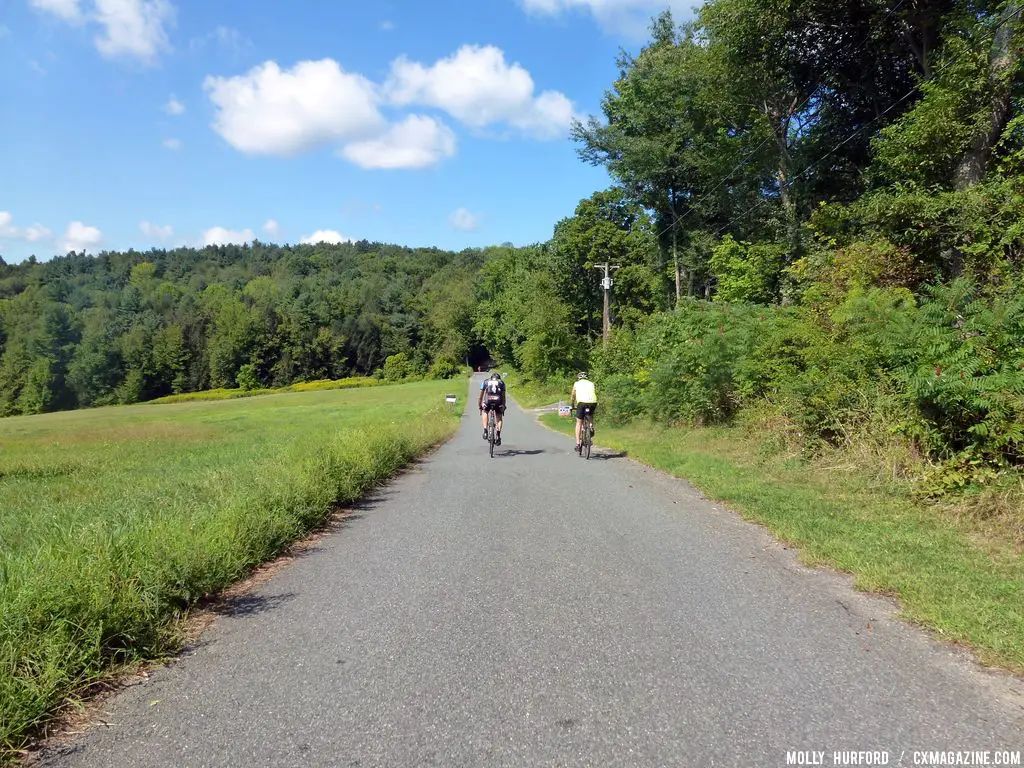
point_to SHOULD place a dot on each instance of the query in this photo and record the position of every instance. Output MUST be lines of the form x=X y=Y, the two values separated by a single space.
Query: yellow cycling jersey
x=584 y=391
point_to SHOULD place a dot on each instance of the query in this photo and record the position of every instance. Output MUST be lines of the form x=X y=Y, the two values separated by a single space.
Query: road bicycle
x=587 y=432
x=491 y=429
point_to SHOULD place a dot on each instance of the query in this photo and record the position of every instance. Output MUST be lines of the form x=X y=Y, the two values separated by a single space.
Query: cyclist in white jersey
x=583 y=397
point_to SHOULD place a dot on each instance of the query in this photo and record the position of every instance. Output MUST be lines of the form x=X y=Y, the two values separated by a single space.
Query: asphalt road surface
x=536 y=609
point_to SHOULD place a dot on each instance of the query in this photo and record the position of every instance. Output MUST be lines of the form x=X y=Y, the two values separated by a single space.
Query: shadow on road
x=340 y=520
x=369 y=502
x=251 y=605
x=515 y=452
x=606 y=456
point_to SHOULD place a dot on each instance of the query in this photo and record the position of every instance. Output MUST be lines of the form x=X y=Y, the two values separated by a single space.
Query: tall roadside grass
x=117 y=520
x=963 y=579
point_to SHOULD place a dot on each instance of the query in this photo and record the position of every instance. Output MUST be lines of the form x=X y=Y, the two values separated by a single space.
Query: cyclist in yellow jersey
x=583 y=397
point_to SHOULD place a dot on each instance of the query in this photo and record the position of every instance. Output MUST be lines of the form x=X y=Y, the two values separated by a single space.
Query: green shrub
x=210 y=394
x=622 y=397
x=444 y=369
x=690 y=358
x=247 y=378
x=614 y=371
x=745 y=271
x=397 y=367
x=323 y=384
x=962 y=366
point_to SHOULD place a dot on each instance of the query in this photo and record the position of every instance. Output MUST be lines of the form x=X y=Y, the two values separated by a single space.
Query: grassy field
x=962 y=579
x=116 y=520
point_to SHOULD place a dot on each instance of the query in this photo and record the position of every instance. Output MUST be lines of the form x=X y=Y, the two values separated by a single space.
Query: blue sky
x=139 y=123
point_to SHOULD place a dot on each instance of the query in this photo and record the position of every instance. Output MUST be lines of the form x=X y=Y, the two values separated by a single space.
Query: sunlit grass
x=353 y=382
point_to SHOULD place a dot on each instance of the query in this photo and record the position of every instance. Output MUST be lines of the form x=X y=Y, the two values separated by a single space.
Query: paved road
x=539 y=610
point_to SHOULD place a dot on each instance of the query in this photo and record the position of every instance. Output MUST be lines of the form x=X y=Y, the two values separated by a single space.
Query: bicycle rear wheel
x=587 y=424
x=490 y=431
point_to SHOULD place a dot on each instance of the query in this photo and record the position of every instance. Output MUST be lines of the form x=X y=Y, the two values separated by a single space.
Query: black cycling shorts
x=494 y=405
x=582 y=408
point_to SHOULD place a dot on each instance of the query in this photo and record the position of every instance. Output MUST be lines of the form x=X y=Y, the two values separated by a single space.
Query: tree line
x=126 y=327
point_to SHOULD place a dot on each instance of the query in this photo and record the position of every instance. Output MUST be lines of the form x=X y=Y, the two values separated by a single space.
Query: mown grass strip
x=117 y=520
x=304 y=386
x=946 y=582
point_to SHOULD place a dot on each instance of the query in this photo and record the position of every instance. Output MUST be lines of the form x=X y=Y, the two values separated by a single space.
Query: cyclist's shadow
x=500 y=453
x=606 y=455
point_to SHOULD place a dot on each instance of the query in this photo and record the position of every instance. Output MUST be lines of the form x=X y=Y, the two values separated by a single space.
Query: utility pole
x=606 y=283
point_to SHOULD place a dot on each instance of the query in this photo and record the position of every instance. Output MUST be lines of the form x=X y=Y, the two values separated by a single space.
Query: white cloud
x=629 y=17
x=387 y=25
x=284 y=112
x=129 y=28
x=37 y=232
x=172 y=144
x=31 y=234
x=550 y=116
x=81 y=237
x=134 y=28
x=222 y=236
x=326 y=236
x=478 y=87
x=464 y=219
x=173 y=106
x=416 y=142
x=155 y=231
x=271 y=111
x=272 y=228
x=69 y=10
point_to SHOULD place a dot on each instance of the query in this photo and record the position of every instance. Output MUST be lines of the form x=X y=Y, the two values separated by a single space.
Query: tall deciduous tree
x=607 y=227
x=1002 y=79
x=668 y=130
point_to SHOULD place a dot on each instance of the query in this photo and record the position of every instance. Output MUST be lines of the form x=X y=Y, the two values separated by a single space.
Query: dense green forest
x=817 y=215
x=124 y=327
